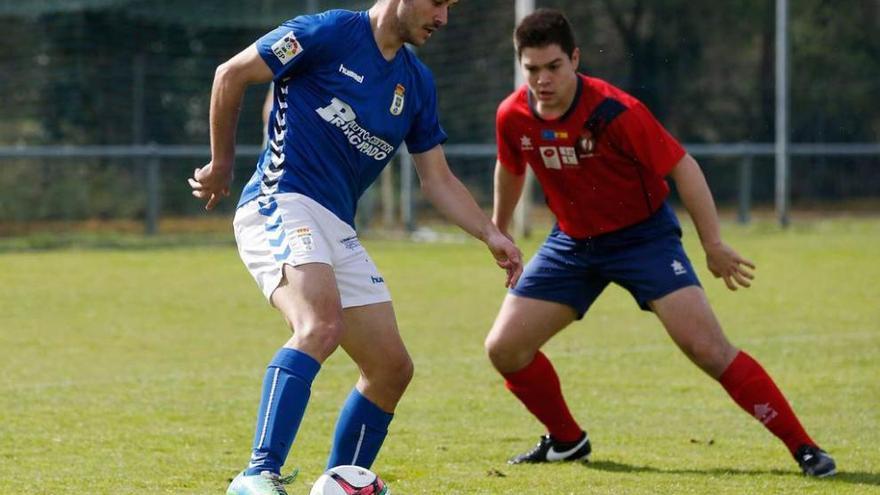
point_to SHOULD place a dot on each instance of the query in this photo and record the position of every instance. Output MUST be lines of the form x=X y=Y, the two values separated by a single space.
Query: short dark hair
x=541 y=28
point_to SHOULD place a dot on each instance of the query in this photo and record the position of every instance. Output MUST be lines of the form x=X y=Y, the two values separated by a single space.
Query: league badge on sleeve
x=286 y=48
x=397 y=101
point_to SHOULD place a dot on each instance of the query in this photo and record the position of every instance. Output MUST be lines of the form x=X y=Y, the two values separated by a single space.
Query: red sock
x=537 y=387
x=753 y=389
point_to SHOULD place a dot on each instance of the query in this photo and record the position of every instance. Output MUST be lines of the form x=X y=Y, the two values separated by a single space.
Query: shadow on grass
x=855 y=478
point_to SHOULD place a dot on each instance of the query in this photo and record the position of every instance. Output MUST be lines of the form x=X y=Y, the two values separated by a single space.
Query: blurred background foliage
x=120 y=72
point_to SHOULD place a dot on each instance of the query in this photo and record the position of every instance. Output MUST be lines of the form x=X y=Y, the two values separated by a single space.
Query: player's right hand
x=507 y=256
x=211 y=183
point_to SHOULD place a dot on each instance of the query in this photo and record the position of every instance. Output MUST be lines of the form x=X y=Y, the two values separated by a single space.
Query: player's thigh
x=275 y=231
x=308 y=298
x=358 y=278
x=522 y=327
x=650 y=269
x=692 y=325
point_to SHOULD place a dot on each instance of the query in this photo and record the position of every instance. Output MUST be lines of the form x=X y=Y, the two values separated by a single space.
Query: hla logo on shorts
x=398 y=101
x=678 y=268
x=286 y=48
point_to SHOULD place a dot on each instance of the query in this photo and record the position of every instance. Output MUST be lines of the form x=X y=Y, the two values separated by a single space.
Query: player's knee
x=404 y=371
x=393 y=374
x=712 y=357
x=494 y=347
x=321 y=338
x=505 y=356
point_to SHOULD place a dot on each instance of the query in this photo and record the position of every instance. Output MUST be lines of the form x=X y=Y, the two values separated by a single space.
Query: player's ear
x=575 y=57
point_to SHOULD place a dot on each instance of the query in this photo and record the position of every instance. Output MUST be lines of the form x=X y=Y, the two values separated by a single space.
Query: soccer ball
x=349 y=480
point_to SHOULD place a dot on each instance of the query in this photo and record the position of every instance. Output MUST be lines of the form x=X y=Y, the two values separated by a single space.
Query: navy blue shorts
x=647 y=259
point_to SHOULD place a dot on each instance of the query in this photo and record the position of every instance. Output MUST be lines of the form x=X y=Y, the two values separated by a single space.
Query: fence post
x=783 y=111
x=407 y=212
x=387 y=185
x=745 y=190
x=151 y=221
x=522 y=225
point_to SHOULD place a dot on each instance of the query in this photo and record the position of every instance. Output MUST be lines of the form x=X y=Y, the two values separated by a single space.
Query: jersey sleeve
x=294 y=46
x=505 y=142
x=426 y=132
x=638 y=133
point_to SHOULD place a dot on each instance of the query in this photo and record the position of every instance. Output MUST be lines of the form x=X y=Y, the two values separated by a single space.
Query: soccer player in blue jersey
x=347 y=93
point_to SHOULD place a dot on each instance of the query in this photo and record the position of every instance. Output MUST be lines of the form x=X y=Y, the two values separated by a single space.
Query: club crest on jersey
x=586 y=144
x=525 y=143
x=286 y=48
x=398 y=100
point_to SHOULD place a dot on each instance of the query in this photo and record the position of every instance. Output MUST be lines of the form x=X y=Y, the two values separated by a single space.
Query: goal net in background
x=112 y=74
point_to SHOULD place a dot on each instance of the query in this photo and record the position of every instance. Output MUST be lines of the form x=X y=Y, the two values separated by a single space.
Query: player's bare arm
x=723 y=261
x=211 y=182
x=449 y=195
x=508 y=189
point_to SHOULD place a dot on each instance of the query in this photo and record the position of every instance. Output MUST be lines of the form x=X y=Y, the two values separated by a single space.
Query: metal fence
x=155 y=157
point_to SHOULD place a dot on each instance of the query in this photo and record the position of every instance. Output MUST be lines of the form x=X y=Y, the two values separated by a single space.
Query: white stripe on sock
x=268 y=409
x=357 y=449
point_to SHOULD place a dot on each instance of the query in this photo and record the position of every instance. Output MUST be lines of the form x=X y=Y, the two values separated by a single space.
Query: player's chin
x=420 y=37
x=418 y=41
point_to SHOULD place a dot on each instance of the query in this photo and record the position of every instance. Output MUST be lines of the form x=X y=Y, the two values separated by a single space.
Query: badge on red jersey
x=586 y=144
x=554 y=157
x=550 y=156
x=553 y=135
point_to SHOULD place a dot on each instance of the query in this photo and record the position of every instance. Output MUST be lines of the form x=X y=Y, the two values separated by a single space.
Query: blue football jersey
x=340 y=111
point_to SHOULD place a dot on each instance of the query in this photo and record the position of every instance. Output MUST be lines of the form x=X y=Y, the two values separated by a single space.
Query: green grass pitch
x=137 y=371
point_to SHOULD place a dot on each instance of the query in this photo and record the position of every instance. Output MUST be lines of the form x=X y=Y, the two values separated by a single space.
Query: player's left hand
x=726 y=263
x=507 y=256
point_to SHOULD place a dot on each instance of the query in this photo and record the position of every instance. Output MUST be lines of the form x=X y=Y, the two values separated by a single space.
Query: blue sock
x=360 y=431
x=286 y=389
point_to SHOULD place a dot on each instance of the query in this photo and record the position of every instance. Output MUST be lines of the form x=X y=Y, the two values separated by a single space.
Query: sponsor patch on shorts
x=303 y=242
x=351 y=243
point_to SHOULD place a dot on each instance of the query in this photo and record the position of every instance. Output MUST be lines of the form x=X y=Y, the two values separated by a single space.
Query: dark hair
x=541 y=28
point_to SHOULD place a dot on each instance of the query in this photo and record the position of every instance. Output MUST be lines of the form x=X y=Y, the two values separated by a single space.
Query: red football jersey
x=602 y=164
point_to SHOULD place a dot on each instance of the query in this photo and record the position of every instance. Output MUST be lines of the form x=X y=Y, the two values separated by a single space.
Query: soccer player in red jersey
x=602 y=159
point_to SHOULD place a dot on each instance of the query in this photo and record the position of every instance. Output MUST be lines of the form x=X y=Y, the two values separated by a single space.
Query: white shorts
x=293 y=229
